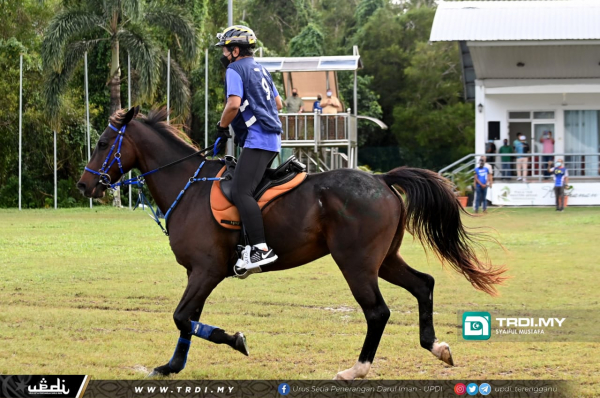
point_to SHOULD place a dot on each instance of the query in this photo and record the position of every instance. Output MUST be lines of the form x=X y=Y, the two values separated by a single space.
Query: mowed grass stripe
x=93 y=291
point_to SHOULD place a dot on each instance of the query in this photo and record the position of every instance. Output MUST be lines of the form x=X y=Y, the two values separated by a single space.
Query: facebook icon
x=284 y=389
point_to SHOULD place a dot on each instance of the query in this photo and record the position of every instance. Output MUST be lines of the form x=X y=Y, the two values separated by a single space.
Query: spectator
x=294 y=104
x=483 y=180
x=548 y=143
x=331 y=105
x=561 y=178
x=506 y=160
x=521 y=147
x=317 y=105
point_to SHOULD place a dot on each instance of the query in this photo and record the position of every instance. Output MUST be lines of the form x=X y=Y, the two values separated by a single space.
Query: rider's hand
x=224 y=135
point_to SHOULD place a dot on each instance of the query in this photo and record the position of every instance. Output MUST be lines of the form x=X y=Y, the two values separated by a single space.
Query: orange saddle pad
x=227 y=214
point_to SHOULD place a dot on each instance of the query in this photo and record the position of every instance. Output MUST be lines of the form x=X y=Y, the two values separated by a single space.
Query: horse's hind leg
x=395 y=270
x=365 y=289
x=187 y=316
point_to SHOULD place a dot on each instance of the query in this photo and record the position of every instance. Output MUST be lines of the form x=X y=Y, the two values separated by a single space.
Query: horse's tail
x=434 y=218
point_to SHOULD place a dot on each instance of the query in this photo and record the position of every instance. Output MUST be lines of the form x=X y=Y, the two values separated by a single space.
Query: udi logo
x=460 y=389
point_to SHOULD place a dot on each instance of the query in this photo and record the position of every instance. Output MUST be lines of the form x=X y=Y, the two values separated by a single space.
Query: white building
x=531 y=67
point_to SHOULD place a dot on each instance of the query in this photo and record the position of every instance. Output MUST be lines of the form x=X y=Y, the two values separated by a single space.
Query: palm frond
x=173 y=19
x=66 y=26
x=144 y=57
x=56 y=82
x=180 y=91
x=132 y=9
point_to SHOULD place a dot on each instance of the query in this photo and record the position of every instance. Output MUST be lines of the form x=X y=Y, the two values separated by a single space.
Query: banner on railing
x=542 y=194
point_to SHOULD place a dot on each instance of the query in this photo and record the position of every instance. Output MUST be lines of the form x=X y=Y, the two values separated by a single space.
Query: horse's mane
x=156 y=119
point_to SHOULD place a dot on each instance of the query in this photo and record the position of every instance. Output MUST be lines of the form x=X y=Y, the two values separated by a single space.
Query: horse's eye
x=102 y=145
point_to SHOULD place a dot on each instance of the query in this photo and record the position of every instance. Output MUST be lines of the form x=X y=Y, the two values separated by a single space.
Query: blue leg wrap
x=177 y=362
x=202 y=330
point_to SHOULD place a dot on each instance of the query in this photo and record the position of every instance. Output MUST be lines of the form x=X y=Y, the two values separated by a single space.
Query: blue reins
x=139 y=181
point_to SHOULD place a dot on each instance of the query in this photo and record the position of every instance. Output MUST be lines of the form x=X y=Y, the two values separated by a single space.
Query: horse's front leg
x=187 y=316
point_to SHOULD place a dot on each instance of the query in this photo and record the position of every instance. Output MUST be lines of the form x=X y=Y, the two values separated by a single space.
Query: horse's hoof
x=161 y=371
x=358 y=371
x=240 y=343
x=345 y=375
x=442 y=351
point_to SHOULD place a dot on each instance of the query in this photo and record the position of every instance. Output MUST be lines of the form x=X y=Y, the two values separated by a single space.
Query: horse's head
x=113 y=156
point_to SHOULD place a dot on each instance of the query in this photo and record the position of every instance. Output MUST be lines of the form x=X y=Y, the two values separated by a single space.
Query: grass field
x=92 y=292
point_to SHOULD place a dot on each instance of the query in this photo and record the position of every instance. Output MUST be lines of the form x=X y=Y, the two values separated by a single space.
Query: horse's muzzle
x=96 y=191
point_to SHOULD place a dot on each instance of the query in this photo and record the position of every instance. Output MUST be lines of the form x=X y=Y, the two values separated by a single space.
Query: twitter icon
x=485 y=389
x=472 y=389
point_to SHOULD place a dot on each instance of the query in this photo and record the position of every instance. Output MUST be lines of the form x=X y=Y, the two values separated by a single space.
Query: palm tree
x=128 y=26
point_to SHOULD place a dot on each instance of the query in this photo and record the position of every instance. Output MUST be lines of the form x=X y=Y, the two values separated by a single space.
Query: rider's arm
x=235 y=92
x=231 y=109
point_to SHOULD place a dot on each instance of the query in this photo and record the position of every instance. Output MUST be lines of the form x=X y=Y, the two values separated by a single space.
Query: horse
x=357 y=217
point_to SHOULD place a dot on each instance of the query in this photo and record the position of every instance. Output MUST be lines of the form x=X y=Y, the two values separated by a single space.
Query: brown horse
x=356 y=217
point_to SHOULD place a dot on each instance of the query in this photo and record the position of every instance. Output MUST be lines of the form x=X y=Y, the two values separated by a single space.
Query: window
x=543 y=115
x=582 y=137
x=519 y=115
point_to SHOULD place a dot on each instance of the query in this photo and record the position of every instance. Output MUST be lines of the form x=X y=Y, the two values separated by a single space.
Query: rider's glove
x=222 y=136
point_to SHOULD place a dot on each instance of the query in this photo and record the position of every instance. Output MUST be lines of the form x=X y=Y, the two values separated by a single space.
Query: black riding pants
x=249 y=171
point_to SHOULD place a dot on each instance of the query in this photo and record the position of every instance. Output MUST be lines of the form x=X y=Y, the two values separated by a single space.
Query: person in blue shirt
x=522 y=147
x=252 y=110
x=561 y=179
x=483 y=180
x=317 y=104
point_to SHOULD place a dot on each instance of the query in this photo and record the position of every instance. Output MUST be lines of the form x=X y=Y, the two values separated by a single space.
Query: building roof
x=516 y=20
x=310 y=64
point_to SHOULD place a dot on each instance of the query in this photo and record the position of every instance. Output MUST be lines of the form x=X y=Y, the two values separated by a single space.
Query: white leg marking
x=438 y=348
x=359 y=370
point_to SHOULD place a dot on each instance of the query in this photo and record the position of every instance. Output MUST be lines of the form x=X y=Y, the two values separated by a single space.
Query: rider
x=251 y=109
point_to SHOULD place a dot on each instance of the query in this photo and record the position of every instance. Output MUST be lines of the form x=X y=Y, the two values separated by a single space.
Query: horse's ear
x=137 y=110
x=130 y=115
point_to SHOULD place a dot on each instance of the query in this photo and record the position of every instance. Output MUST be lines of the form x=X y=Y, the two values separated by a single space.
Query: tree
x=309 y=43
x=275 y=22
x=365 y=9
x=387 y=42
x=433 y=123
x=124 y=24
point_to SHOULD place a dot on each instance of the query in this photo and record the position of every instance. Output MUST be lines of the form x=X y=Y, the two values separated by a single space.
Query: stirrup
x=239 y=269
x=241 y=272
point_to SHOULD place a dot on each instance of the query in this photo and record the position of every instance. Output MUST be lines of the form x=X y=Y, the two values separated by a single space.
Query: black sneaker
x=257 y=257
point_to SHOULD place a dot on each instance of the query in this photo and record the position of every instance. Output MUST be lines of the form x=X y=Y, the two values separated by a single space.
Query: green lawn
x=93 y=291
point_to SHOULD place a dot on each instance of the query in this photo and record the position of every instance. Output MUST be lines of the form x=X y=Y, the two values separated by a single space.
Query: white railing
x=333 y=130
x=581 y=166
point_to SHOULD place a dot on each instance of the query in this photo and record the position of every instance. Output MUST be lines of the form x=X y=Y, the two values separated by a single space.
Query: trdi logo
x=476 y=325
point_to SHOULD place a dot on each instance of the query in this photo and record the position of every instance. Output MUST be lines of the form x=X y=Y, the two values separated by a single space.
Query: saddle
x=274 y=183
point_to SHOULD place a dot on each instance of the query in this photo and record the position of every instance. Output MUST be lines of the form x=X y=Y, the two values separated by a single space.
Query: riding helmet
x=237 y=35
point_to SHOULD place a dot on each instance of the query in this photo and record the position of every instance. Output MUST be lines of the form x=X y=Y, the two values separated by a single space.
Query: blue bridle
x=139 y=181
x=103 y=171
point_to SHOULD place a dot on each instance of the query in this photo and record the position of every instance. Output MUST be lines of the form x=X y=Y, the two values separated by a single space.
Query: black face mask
x=224 y=60
x=318 y=98
x=295 y=94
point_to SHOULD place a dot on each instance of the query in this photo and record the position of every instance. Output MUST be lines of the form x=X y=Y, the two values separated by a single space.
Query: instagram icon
x=460 y=389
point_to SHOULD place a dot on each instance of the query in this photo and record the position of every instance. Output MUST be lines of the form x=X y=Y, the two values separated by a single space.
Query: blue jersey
x=317 y=107
x=257 y=123
x=559 y=175
x=482 y=174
